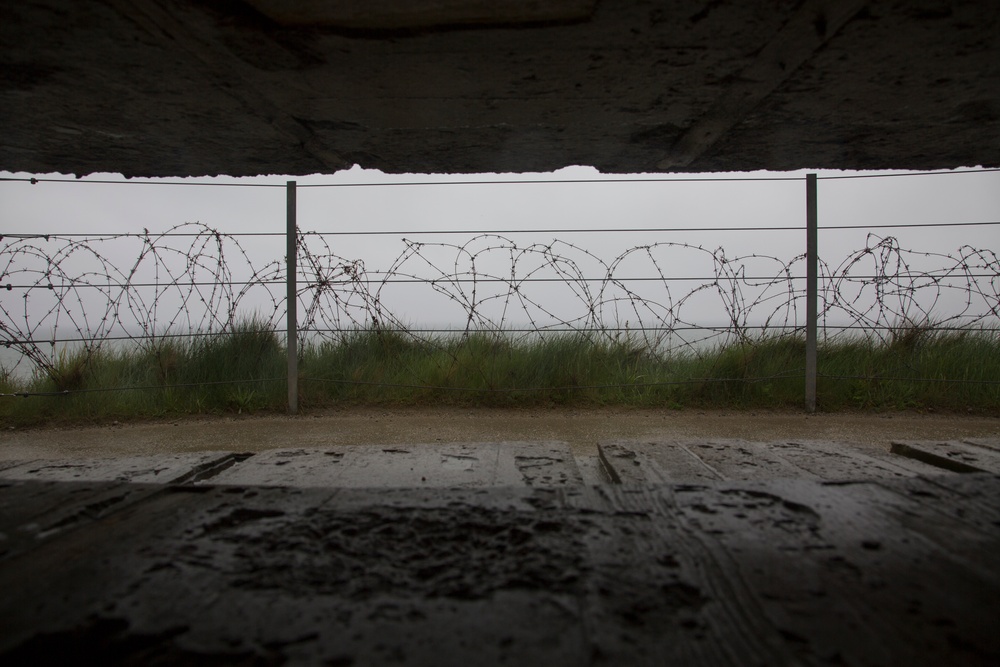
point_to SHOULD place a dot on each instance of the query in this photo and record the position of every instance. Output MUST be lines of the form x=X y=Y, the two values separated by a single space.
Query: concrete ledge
x=891 y=571
x=395 y=15
x=359 y=466
x=651 y=462
x=955 y=456
x=153 y=469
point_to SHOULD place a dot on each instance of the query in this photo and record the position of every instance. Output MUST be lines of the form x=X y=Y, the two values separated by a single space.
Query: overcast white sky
x=77 y=207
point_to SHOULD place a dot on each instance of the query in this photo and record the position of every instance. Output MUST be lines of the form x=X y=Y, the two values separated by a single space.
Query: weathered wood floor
x=712 y=553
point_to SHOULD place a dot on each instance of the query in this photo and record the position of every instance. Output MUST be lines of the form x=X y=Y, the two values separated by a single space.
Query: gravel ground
x=581 y=428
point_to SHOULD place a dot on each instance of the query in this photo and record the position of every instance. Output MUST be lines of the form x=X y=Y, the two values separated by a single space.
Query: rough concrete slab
x=628 y=462
x=153 y=469
x=953 y=455
x=988 y=443
x=383 y=15
x=4 y=465
x=717 y=573
x=950 y=505
x=219 y=88
x=858 y=535
x=741 y=459
x=831 y=460
x=961 y=498
x=582 y=428
x=592 y=470
x=633 y=462
x=33 y=512
x=454 y=465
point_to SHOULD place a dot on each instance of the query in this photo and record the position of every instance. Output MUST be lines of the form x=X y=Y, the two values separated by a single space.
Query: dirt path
x=582 y=429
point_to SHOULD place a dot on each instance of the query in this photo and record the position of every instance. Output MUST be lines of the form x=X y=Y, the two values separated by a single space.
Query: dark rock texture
x=184 y=88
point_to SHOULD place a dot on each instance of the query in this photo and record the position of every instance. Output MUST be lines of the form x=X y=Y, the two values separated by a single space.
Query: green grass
x=172 y=376
x=184 y=376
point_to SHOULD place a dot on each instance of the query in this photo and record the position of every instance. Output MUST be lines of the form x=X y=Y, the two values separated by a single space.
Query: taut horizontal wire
x=706 y=280
x=539 y=329
x=916 y=173
x=881 y=378
x=98 y=390
x=480 y=232
x=130 y=337
x=513 y=390
x=74 y=284
x=913 y=225
x=546 y=330
x=100 y=236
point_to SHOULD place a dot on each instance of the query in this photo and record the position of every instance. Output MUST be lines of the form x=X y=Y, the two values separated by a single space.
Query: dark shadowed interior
x=191 y=88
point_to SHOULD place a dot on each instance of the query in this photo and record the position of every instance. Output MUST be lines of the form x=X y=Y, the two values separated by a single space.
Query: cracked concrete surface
x=892 y=571
x=326 y=542
x=181 y=88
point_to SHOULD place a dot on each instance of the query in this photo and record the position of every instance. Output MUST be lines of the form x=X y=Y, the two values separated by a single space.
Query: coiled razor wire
x=69 y=290
x=193 y=280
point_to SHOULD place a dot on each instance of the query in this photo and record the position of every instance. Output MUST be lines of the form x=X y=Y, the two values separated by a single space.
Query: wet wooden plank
x=950 y=455
x=152 y=469
x=592 y=470
x=33 y=512
x=937 y=515
x=544 y=464
x=437 y=465
x=715 y=573
x=271 y=575
x=831 y=460
x=631 y=462
x=954 y=505
x=692 y=461
x=4 y=465
x=848 y=577
x=744 y=460
x=988 y=443
x=656 y=594
x=963 y=498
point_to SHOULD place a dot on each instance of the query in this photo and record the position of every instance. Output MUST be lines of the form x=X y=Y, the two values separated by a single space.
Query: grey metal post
x=292 y=335
x=812 y=312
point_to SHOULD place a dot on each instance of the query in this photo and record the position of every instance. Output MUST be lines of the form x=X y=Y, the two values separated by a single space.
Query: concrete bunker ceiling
x=206 y=87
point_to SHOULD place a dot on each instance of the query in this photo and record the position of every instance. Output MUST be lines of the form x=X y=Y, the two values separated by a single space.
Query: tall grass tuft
x=918 y=368
x=243 y=371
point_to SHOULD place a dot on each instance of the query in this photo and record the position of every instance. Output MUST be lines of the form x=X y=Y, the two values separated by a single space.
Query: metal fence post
x=812 y=312
x=292 y=335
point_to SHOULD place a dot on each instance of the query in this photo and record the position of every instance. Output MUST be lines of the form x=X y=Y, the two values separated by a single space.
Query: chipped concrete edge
x=912 y=450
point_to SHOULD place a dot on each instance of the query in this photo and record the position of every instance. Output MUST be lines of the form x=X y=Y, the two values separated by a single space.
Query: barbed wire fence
x=193 y=280
x=872 y=291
